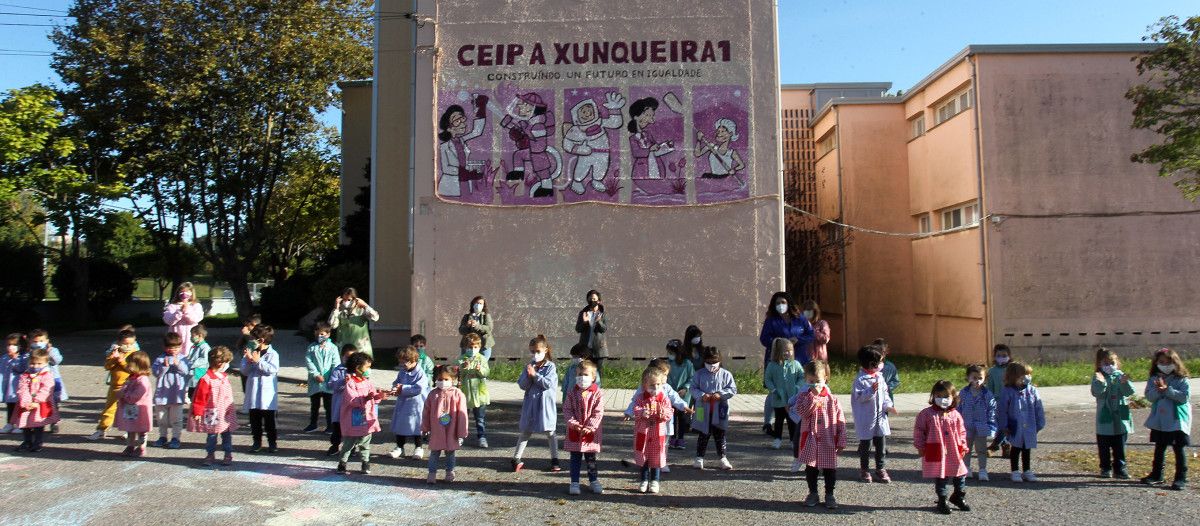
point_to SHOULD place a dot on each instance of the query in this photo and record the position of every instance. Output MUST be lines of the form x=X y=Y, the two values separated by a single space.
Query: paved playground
x=74 y=481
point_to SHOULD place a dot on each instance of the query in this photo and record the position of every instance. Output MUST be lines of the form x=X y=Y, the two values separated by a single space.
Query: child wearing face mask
x=676 y=402
x=1170 y=420
x=35 y=409
x=444 y=418
x=651 y=412
x=198 y=356
x=213 y=412
x=473 y=371
x=477 y=321
x=11 y=367
x=1001 y=356
x=411 y=387
x=40 y=339
x=136 y=404
x=320 y=359
x=260 y=366
x=822 y=433
x=693 y=346
x=539 y=413
x=891 y=376
x=115 y=364
x=579 y=353
x=941 y=439
x=870 y=405
x=1021 y=416
x=783 y=379
x=712 y=387
x=360 y=411
x=583 y=409
x=679 y=378
x=977 y=406
x=423 y=360
x=1111 y=388
x=173 y=373
x=336 y=381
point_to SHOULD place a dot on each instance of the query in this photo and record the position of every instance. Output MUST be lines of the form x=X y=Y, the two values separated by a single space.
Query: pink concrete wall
x=1057 y=139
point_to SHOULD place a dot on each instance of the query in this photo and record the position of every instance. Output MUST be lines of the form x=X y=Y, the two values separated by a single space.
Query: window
x=958 y=103
x=924 y=224
x=827 y=144
x=917 y=126
x=966 y=215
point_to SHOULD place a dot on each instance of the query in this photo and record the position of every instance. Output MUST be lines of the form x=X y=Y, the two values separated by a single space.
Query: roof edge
x=357 y=83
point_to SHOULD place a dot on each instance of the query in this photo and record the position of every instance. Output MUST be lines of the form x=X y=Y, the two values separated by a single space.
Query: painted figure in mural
x=587 y=137
x=530 y=123
x=454 y=153
x=723 y=160
x=646 y=151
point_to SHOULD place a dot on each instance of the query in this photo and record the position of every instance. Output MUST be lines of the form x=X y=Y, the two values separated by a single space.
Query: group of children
x=998 y=409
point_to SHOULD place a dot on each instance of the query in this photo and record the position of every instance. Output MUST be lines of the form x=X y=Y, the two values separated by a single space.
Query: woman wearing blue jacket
x=783 y=320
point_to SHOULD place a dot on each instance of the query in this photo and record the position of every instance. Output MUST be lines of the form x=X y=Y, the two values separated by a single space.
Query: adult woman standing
x=819 y=348
x=591 y=324
x=350 y=317
x=783 y=320
x=183 y=313
x=478 y=321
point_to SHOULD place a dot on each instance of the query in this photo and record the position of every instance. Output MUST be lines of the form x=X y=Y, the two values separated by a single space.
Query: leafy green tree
x=302 y=218
x=117 y=236
x=203 y=104
x=1169 y=102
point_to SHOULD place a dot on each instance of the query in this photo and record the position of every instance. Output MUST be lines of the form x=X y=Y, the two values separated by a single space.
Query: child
x=977 y=406
x=135 y=405
x=583 y=409
x=115 y=364
x=444 y=417
x=40 y=339
x=35 y=400
x=198 y=356
x=411 y=387
x=538 y=412
x=116 y=344
x=11 y=367
x=1112 y=390
x=714 y=386
x=1001 y=355
x=890 y=375
x=579 y=353
x=423 y=361
x=871 y=405
x=337 y=380
x=652 y=411
x=1020 y=414
x=679 y=377
x=783 y=378
x=693 y=346
x=822 y=433
x=360 y=411
x=473 y=371
x=1170 y=420
x=320 y=359
x=174 y=373
x=673 y=399
x=248 y=325
x=213 y=412
x=941 y=439
x=260 y=366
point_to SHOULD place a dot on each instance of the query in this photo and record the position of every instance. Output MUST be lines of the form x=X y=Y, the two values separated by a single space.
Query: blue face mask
x=36 y=370
x=38 y=345
x=322 y=339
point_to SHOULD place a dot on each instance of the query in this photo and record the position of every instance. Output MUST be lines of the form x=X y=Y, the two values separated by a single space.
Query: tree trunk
x=79 y=309
x=240 y=286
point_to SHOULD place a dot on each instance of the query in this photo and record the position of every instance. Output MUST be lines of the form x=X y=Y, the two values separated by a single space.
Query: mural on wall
x=590 y=139
x=464 y=141
x=720 y=119
x=656 y=140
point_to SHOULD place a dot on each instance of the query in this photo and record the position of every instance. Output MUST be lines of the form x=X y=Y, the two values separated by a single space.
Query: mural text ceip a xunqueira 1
x=630 y=121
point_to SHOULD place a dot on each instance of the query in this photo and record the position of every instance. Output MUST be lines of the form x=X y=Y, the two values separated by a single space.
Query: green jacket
x=472 y=377
x=1112 y=405
x=783 y=381
x=426 y=364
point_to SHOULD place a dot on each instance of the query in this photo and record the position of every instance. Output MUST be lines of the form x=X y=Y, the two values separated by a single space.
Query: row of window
x=955 y=217
x=956 y=104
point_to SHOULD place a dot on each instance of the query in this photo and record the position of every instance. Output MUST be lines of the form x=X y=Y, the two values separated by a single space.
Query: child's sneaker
x=654 y=487
x=796 y=465
x=554 y=467
x=228 y=460
x=366 y=468
x=161 y=442
x=139 y=451
x=864 y=476
x=53 y=428
x=698 y=463
x=173 y=444
x=432 y=478
x=777 y=444
x=812 y=500
x=517 y=465
x=99 y=434
x=725 y=465
x=596 y=488
x=333 y=450
x=210 y=459
x=1029 y=476
x=419 y=453
x=310 y=428
x=1179 y=484
x=483 y=443
x=1106 y=473
x=958 y=500
x=574 y=489
x=644 y=487
x=341 y=468
x=1016 y=477
x=982 y=475
x=1122 y=475
x=1152 y=480
x=397 y=453
x=830 y=502
x=883 y=476
x=449 y=476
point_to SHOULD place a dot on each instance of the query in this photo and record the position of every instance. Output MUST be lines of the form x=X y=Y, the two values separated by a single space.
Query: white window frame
x=956 y=104
x=962 y=216
x=924 y=224
x=917 y=126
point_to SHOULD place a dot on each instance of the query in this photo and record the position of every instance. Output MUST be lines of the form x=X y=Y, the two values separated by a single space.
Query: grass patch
x=1138 y=461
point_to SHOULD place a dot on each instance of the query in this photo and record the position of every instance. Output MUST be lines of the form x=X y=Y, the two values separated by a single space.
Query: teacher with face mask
x=783 y=320
x=477 y=321
x=350 y=318
x=591 y=324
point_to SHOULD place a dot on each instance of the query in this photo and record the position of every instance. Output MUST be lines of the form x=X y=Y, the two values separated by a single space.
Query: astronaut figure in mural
x=586 y=137
x=530 y=124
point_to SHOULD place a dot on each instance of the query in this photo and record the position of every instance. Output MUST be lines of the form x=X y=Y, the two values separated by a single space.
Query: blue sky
x=833 y=41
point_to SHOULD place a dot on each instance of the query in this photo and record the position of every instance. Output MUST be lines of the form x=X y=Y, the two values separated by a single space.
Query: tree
x=1169 y=102
x=302 y=218
x=203 y=104
x=117 y=236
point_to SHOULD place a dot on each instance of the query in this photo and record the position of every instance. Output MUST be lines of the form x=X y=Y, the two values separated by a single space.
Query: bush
x=335 y=280
x=21 y=284
x=286 y=301
x=109 y=284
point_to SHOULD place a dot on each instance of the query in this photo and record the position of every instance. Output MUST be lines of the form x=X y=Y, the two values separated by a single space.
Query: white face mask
x=346 y=304
x=696 y=341
x=713 y=367
x=444 y=384
x=1166 y=369
x=781 y=308
x=583 y=382
x=222 y=368
x=654 y=389
x=539 y=356
x=1028 y=379
x=942 y=402
x=809 y=314
x=1001 y=360
x=976 y=382
x=1108 y=368
x=478 y=308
